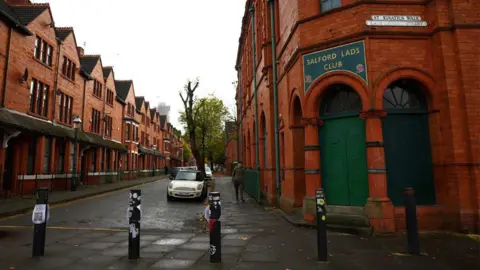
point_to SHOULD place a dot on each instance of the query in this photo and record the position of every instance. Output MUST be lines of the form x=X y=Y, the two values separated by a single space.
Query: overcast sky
x=159 y=44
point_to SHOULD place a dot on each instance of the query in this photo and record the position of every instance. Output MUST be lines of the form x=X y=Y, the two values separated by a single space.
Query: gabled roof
x=163 y=119
x=152 y=113
x=123 y=87
x=63 y=32
x=89 y=62
x=147 y=106
x=139 y=101
x=7 y=14
x=28 y=13
x=107 y=71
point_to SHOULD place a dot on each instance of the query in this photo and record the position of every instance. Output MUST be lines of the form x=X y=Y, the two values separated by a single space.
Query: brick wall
x=444 y=61
x=22 y=57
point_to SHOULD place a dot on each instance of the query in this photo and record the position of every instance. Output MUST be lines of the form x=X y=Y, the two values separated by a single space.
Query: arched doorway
x=298 y=136
x=343 y=147
x=406 y=138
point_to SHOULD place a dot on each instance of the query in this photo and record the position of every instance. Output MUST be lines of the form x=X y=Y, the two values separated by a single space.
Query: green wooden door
x=406 y=138
x=344 y=165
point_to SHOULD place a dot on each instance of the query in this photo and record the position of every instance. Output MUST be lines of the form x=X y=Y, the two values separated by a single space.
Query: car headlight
x=200 y=186
x=170 y=186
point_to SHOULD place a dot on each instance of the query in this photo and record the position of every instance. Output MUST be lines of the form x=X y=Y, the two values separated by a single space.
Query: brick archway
x=318 y=89
x=406 y=73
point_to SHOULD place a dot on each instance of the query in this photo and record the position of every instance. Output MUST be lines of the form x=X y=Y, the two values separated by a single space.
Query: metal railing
x=252 y=183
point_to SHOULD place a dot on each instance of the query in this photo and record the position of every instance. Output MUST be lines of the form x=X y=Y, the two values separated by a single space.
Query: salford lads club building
x=363 y=99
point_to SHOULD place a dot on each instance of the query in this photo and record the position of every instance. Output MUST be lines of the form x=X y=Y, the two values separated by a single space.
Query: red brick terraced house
x=47 y=86
x=363 y=99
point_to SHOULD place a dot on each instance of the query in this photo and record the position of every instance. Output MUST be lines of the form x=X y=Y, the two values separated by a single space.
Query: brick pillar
x=40 y=151
x=313 y=178
x=53 y=158
x=287 y=199
x=98 y=152
x=68 y=153
x=378 y=208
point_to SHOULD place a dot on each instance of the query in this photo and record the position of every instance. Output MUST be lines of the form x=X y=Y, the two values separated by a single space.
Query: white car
x=187 y=184
x=208 y=173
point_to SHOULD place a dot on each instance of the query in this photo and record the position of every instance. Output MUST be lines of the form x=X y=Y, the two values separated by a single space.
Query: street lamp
x=76 y=125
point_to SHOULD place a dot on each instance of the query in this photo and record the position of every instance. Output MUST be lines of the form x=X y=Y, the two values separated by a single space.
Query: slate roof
x=163 y=119
x=107 y=71
x=28 y=13
x=152 y=113
x=139 y=101
x=63 y=32
x=122 y=88
x=11 y=18
x=89 y=62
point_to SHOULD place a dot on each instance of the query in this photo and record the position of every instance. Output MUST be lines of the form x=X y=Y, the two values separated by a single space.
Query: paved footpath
x=254 y=237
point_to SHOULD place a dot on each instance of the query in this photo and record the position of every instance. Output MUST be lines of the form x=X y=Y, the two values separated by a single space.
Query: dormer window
x=97 y=89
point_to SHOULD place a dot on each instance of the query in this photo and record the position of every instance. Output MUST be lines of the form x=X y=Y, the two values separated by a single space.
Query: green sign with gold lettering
x=349 y=57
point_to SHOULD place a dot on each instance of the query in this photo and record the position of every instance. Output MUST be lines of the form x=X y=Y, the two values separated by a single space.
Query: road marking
x=78 y=200
x=64 y=228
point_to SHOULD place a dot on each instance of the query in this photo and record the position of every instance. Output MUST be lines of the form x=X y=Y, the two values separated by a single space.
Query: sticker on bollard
x=134 y=216
x=39 y=213
x=215 y=211
x=40 y=216
x=321 y=225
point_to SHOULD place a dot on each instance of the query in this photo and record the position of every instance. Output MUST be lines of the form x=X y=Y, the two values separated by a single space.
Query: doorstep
x=341 y=223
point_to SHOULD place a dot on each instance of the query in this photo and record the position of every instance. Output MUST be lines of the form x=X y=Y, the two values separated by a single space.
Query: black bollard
x=411 y=221
x=134 y=216
x=39 y=217
x=215 y=227
x=321 y=225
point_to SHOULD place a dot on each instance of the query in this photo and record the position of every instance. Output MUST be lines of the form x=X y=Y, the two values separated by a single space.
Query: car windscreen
x=207 y=169
x=186 y=175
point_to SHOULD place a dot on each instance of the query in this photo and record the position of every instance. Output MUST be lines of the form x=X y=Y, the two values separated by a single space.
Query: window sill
x=97 y=97
x=111 y=105
x=38 y=116
x=42 y=63
x=66 y=78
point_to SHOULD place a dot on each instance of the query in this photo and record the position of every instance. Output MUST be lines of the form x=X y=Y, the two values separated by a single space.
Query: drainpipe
x=239 y=109
x=83 y=105
x=55 y=83
x=252 y=11
x=241 y=113
x=275 y=98
x=5 y=72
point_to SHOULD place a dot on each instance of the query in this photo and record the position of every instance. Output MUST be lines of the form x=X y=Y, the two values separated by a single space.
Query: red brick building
x=231 y=145
x=373 y=97
x=47 y=85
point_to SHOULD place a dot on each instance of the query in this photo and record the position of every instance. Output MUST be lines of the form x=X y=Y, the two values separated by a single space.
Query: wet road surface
x=110 y=211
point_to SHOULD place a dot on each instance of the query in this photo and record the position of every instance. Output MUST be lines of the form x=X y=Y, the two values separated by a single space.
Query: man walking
x=238 y=180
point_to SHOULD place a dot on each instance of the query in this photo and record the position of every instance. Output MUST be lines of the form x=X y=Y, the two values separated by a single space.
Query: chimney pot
x=81 y=52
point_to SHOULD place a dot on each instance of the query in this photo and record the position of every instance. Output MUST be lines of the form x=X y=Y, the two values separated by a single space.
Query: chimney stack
x=81 y=52
x=18 y=2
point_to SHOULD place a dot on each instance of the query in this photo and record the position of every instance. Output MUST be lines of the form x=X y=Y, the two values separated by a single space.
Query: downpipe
x=275 y=99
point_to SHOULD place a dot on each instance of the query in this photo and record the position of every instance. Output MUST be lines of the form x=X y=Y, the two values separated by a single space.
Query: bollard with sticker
x=134 y=216
x=321 y=225
x=215 y=211
x=411 y=222
x=40 y=216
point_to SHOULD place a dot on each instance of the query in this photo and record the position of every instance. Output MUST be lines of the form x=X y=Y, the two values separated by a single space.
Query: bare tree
x=190 y=118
